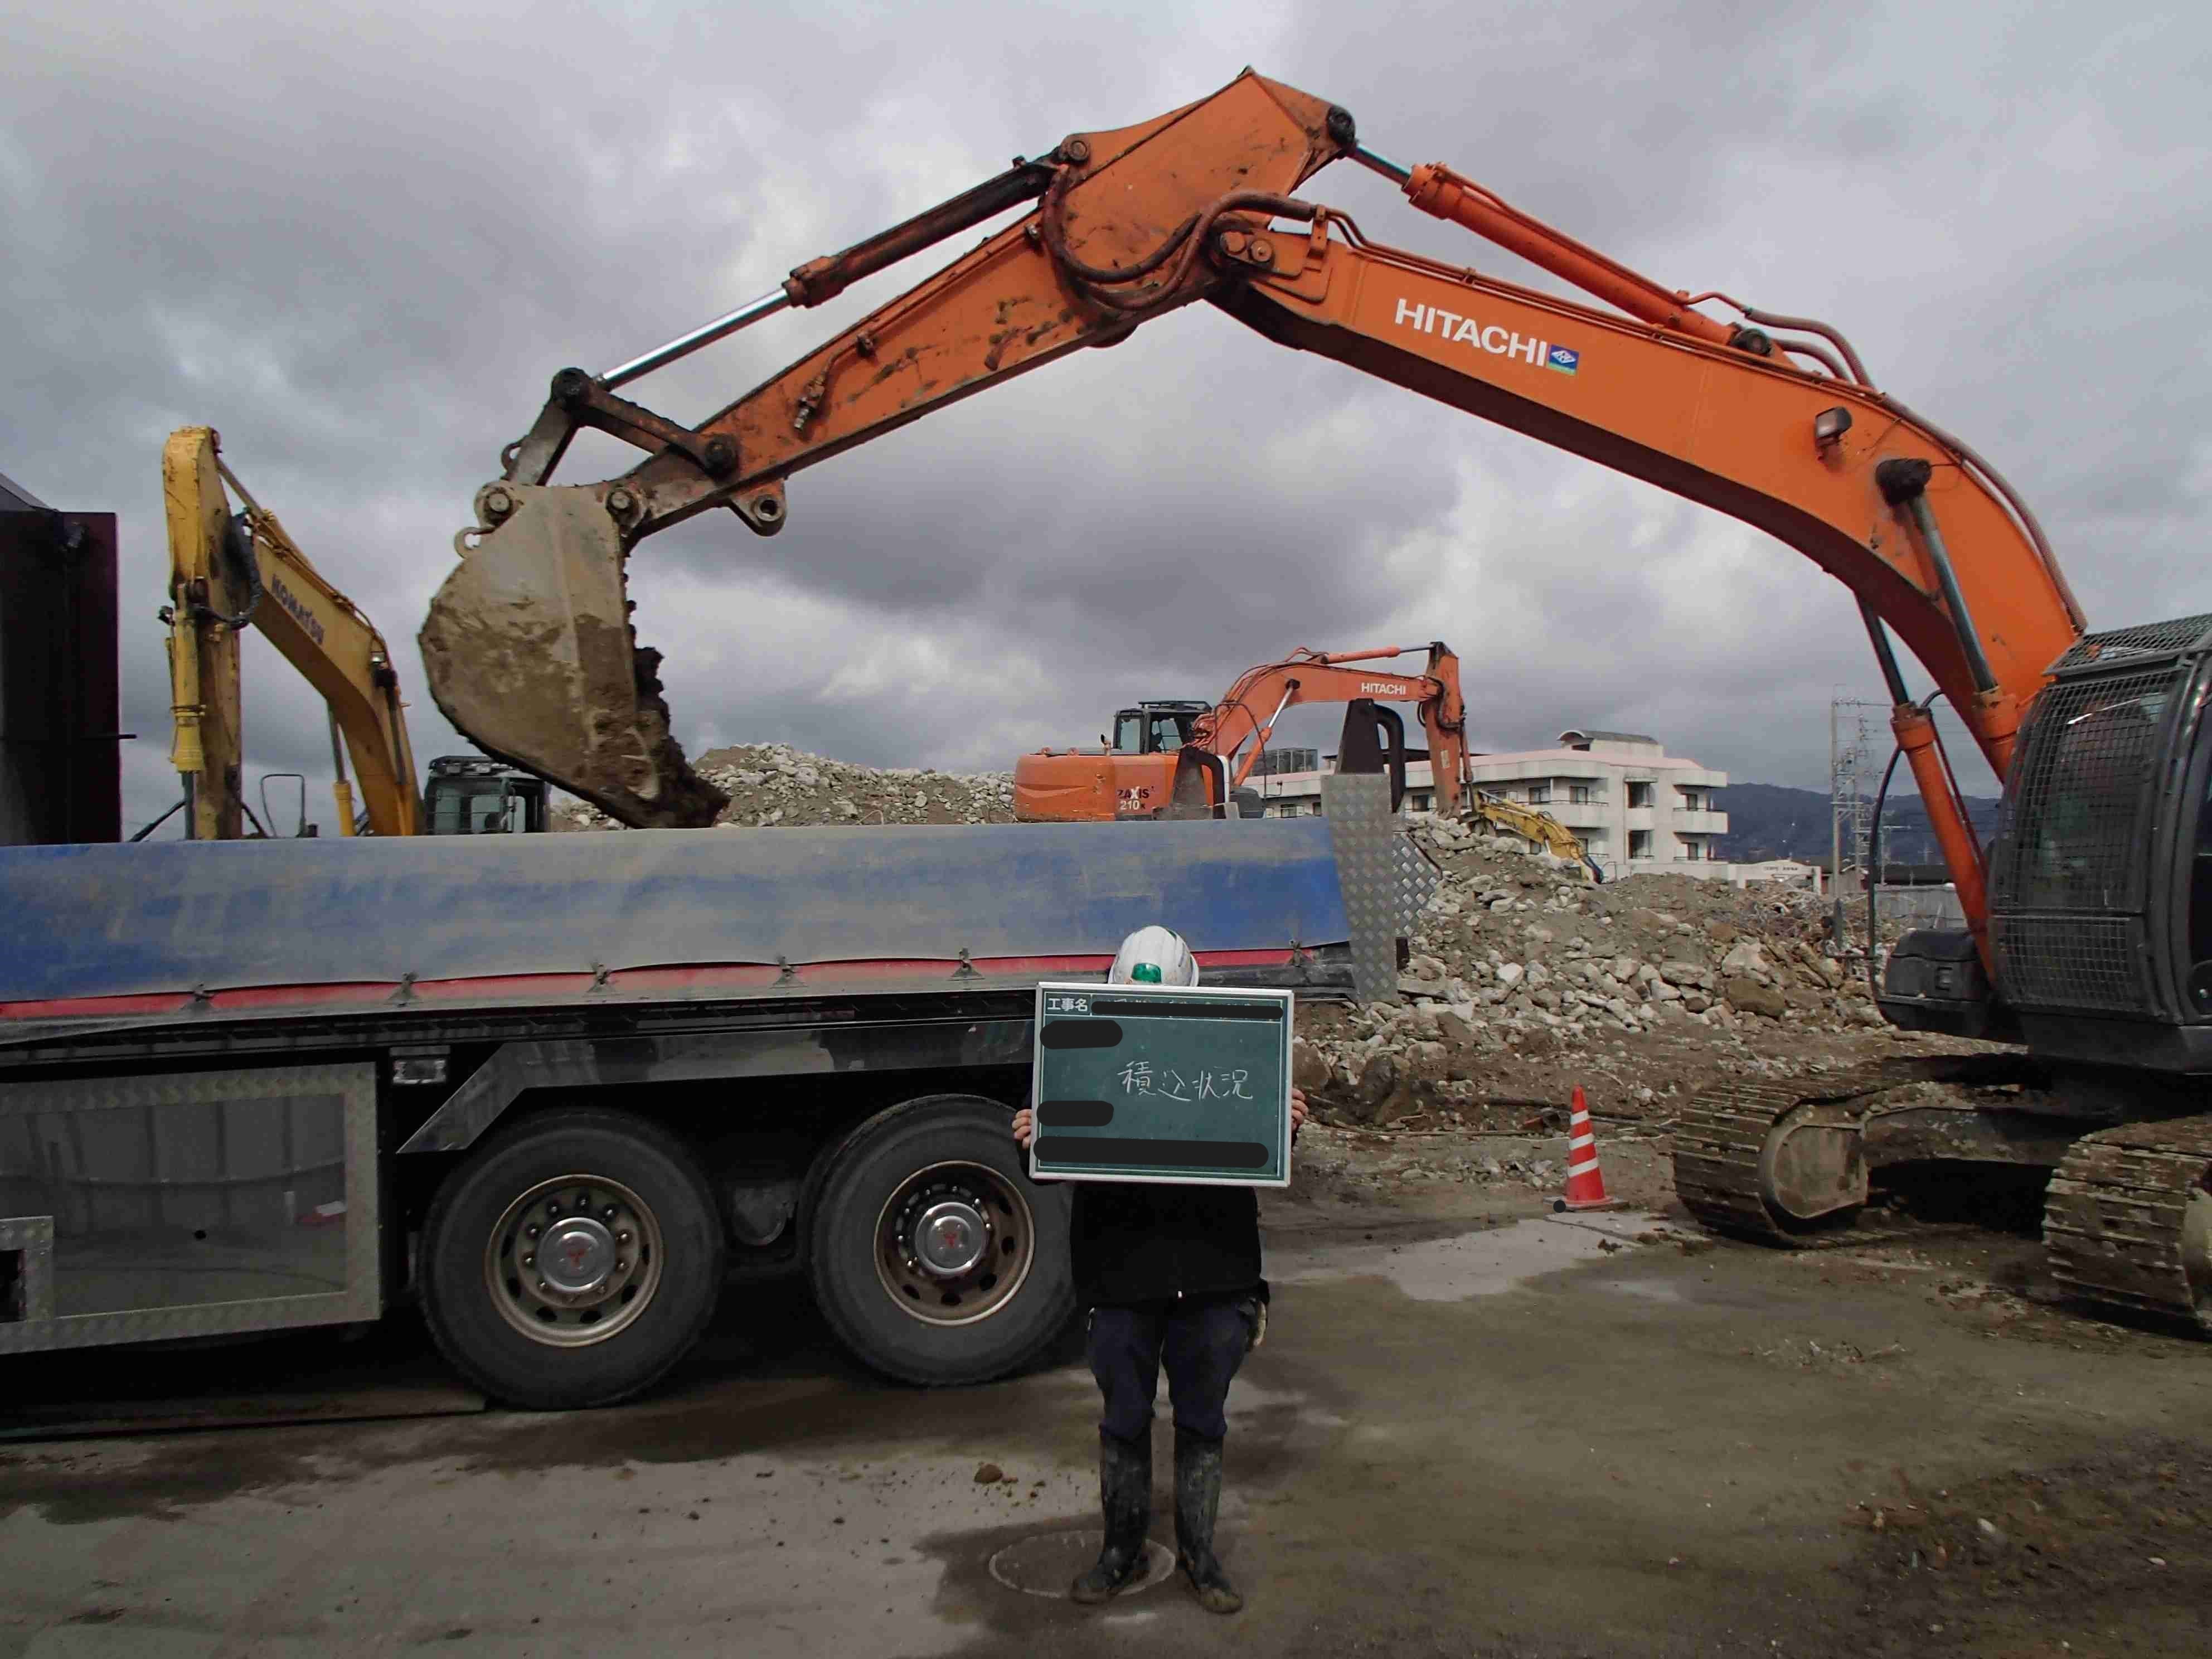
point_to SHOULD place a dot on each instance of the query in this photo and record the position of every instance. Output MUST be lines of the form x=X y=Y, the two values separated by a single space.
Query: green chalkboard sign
x=1163 y=1083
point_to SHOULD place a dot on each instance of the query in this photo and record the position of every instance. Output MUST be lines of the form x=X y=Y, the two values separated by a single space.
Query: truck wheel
x=572 y=1260
x=934 y=1256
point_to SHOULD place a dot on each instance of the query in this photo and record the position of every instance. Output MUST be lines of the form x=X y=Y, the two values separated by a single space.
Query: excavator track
x=2118 y=1222
x=1717 y=1142
x=1722 y=1133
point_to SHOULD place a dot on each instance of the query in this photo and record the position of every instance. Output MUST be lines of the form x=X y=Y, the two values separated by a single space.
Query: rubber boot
x=1125 y=1493
x=1197 y=1498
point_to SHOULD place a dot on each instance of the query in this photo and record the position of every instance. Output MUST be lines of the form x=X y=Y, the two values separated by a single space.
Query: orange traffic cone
x=1585 y=1181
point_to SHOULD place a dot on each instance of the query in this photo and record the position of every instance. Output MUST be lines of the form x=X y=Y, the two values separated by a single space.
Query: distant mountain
x=1766 y=821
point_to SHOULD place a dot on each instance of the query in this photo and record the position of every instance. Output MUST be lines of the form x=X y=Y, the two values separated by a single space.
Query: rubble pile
x=773 y=784
x=1524 y=980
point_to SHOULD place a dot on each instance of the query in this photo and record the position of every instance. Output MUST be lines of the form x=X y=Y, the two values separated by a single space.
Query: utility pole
x=1837 y=939
x=1850 y=750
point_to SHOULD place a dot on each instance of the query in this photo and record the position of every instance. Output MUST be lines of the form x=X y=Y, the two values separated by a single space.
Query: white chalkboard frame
x=1040 y=1171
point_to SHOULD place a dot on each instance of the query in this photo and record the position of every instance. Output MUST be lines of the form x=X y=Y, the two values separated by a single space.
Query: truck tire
x=640 y=1268
x=932 y=1255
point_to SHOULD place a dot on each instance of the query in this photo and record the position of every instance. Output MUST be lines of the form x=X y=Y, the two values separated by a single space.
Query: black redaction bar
x=1075 y=1114
x=1125 y=1008
x=1158 y=1154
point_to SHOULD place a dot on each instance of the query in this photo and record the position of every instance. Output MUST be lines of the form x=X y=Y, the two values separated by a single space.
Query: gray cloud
x=358 y=242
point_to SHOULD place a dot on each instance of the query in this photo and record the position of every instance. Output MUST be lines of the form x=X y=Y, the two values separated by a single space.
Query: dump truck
x=554 y=1091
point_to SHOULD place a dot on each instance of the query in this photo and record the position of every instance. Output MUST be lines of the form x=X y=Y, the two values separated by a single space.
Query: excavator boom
x=1239 y=726
x=529 y=646
x=227 y=573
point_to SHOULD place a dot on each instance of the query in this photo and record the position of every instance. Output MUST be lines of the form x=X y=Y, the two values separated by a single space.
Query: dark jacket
x=1147 y=1244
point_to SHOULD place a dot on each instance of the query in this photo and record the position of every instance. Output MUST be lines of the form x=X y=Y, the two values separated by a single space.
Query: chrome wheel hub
x=954 y=1242
x=950 y=1238
x=576 y=1256
x=573 y=1260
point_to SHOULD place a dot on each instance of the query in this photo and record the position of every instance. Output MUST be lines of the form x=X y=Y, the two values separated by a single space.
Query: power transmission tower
x=1851 y=805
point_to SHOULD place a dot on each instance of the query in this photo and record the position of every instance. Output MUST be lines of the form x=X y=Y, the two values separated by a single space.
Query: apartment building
x=1636 y=808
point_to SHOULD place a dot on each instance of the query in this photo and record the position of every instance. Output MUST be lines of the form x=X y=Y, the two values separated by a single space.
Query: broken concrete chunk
x=1749 y=996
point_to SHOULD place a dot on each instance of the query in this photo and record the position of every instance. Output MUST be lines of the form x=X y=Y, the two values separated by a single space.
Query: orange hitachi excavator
x=1212 y=751
x=2088 y=935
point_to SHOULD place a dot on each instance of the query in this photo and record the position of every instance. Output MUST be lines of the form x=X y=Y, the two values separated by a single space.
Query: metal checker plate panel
x=357 y=1297
x=1386 y=881
x=2115 y=646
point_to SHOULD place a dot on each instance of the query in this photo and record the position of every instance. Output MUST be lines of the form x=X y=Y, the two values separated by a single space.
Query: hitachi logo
x=1384 y=688
x=1498 y=341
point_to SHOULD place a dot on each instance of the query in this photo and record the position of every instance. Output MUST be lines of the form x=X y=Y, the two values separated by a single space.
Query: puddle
x=1651 y=1290
x=1470 y=1264
x=1046 y=1563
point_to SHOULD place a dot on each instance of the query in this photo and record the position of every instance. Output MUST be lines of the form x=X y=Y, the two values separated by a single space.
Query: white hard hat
x=1162 y=951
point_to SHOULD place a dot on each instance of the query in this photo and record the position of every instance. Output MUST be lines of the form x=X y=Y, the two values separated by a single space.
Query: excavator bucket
x=529 y=651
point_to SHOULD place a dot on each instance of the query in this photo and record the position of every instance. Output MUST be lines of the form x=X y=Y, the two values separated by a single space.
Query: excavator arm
x=228 y=573
x=1237 y=728
x=528 y=644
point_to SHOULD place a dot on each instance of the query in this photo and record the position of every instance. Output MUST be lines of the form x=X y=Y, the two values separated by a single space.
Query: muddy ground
x=1475 y=1429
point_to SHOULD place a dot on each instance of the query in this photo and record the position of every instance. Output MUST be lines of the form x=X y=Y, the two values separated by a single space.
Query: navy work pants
x=1202 y=1343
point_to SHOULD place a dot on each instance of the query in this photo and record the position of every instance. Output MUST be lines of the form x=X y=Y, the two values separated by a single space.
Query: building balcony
x=1581 y=815
x=1639 y=817
x=1699 y=824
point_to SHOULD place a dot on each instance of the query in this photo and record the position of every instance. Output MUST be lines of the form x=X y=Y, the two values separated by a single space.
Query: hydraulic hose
x=1874 y=851
x=238 y=548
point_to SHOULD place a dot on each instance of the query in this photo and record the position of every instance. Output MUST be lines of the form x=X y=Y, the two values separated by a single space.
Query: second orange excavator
x=1168 y=754
x=1176 y=759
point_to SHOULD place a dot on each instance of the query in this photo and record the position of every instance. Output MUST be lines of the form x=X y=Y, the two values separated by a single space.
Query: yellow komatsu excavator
x=229 y=571
x=1531 y=823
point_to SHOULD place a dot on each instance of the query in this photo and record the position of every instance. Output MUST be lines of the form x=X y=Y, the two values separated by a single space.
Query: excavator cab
x=470 y=796
x=2100 y=890
x=1155 y=728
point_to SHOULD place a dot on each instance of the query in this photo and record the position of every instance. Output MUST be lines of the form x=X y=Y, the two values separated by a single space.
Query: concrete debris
x=774 y=785
x=1522 y=983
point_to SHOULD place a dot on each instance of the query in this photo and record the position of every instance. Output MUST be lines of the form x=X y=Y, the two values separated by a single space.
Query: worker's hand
x=1298 y=1112
x=1026 y=1128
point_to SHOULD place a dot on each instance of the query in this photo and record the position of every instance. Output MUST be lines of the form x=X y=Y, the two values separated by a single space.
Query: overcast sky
x=357 y=240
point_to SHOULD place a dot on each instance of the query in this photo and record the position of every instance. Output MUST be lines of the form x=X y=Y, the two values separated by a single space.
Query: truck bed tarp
x=114 y=920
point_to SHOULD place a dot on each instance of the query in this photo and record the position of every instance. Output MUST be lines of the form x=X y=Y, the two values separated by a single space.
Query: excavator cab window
x=473 y=806
x=2083 y=842
x=1169 y=733
x=1152 y=731
x=486 y=804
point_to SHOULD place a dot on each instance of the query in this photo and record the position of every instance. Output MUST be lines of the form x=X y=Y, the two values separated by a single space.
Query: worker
x=1167 y=1272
